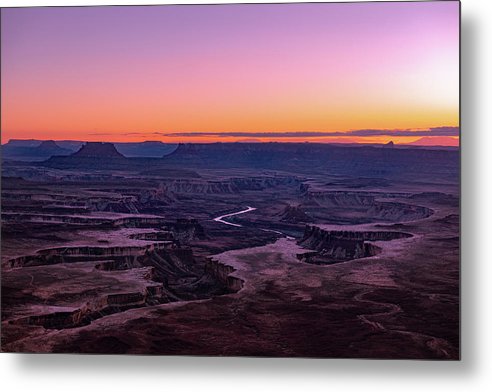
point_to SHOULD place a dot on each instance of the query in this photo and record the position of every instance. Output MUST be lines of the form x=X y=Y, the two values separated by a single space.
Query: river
x=221 y=218
x=248 y=209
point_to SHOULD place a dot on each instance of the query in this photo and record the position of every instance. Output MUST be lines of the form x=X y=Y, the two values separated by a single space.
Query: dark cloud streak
x=439 y=131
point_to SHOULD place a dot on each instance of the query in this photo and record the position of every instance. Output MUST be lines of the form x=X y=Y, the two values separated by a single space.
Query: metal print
x=243 y=180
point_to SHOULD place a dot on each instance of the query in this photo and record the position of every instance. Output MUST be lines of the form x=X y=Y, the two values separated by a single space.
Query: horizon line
x=367 y=143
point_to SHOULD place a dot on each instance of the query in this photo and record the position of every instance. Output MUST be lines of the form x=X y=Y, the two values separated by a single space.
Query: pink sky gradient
x=75 y=72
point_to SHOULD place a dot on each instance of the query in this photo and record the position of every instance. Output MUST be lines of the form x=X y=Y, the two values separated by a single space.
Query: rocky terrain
x=271 y=249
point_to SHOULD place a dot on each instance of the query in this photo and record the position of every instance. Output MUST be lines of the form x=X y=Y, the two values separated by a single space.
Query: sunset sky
x=232 y=73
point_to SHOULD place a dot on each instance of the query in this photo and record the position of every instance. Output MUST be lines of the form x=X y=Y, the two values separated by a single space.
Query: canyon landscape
x=234 y=249
x=263 y=180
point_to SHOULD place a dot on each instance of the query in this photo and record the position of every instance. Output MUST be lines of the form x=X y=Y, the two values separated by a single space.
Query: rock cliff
x=332 y=246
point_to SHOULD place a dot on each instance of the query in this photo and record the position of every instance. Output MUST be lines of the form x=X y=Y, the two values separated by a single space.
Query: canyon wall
x=333 y=246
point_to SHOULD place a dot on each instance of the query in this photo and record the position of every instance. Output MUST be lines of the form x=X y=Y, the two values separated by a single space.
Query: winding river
x=248 y=209
x=221 y=218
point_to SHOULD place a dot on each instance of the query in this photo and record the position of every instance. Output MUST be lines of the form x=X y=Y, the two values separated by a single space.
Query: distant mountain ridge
x=371 y=161
x=50 y=147
x=432 y=141
x=365 y=161
x=32 y=151
x=36 y=150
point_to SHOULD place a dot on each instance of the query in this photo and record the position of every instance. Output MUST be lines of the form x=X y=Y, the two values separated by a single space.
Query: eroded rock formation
x=97 y=150
x=332 y=246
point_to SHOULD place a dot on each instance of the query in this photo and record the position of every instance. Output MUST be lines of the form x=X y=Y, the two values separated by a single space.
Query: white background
x=473 y=372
